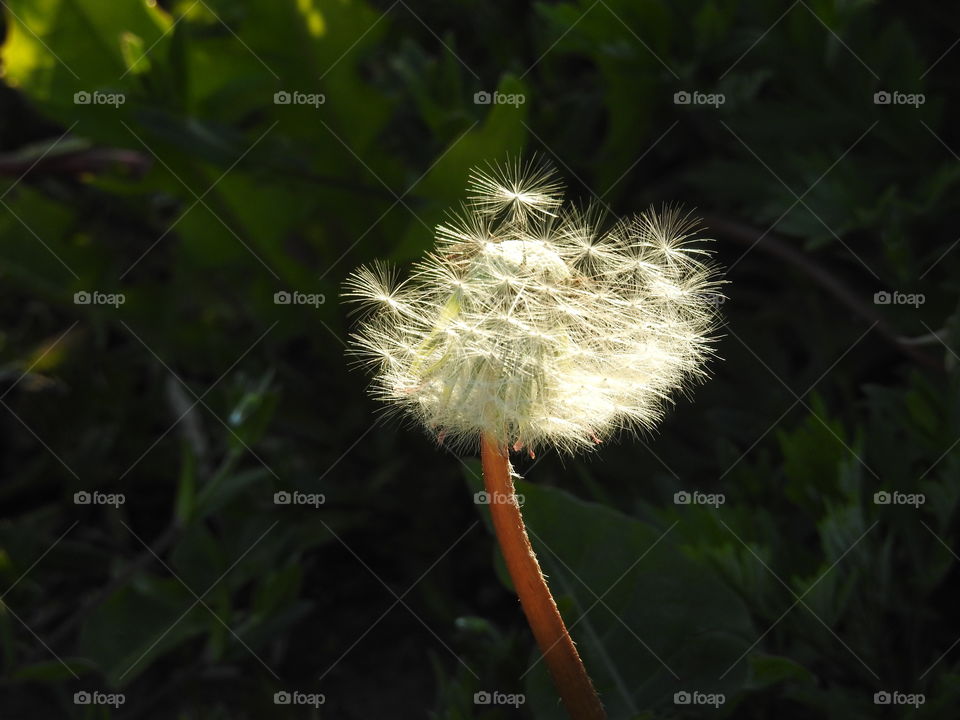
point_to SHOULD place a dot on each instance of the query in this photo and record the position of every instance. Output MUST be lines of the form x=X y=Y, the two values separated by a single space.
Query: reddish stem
x=559 y=652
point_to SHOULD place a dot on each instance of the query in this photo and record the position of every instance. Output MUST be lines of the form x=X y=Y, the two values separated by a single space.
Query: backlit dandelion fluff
x=530 y=324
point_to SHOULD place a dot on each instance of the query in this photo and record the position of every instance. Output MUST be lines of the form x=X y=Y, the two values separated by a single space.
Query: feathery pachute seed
x=531 y=324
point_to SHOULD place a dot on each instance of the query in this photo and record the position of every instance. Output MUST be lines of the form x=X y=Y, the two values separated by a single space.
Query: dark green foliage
x=200 y=397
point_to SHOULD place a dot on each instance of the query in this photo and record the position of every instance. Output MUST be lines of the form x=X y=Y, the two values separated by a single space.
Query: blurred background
x=201 y=513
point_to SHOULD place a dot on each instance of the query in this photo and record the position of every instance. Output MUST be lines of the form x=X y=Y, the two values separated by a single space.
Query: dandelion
x=528 y=326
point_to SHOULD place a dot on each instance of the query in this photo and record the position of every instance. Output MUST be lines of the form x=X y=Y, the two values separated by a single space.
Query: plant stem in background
x=576 y=690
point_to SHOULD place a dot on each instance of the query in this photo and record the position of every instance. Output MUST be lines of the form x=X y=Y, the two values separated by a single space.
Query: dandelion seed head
x=530 y=324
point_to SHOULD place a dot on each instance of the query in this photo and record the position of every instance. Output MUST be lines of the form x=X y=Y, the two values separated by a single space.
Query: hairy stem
x=566 y=667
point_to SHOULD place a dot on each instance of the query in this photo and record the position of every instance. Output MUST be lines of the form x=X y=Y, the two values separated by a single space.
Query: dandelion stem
x=566 y=667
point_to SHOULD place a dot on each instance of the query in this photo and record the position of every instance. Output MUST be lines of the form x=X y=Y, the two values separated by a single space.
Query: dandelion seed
x=523 y=192
x=532 y=326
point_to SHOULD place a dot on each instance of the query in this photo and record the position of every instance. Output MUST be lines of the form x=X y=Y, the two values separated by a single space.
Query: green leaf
x=186 y=486
x=198 y=559
x=767 y=670
x=224 y=487
x=501 y=133
x=278 y=589
x=813 y=453
x=646 y=620
x=55 y=48
x=137 y=624
x=54 y=670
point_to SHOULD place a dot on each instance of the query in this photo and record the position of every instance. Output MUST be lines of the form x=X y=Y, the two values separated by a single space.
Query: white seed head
x=532 y=326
